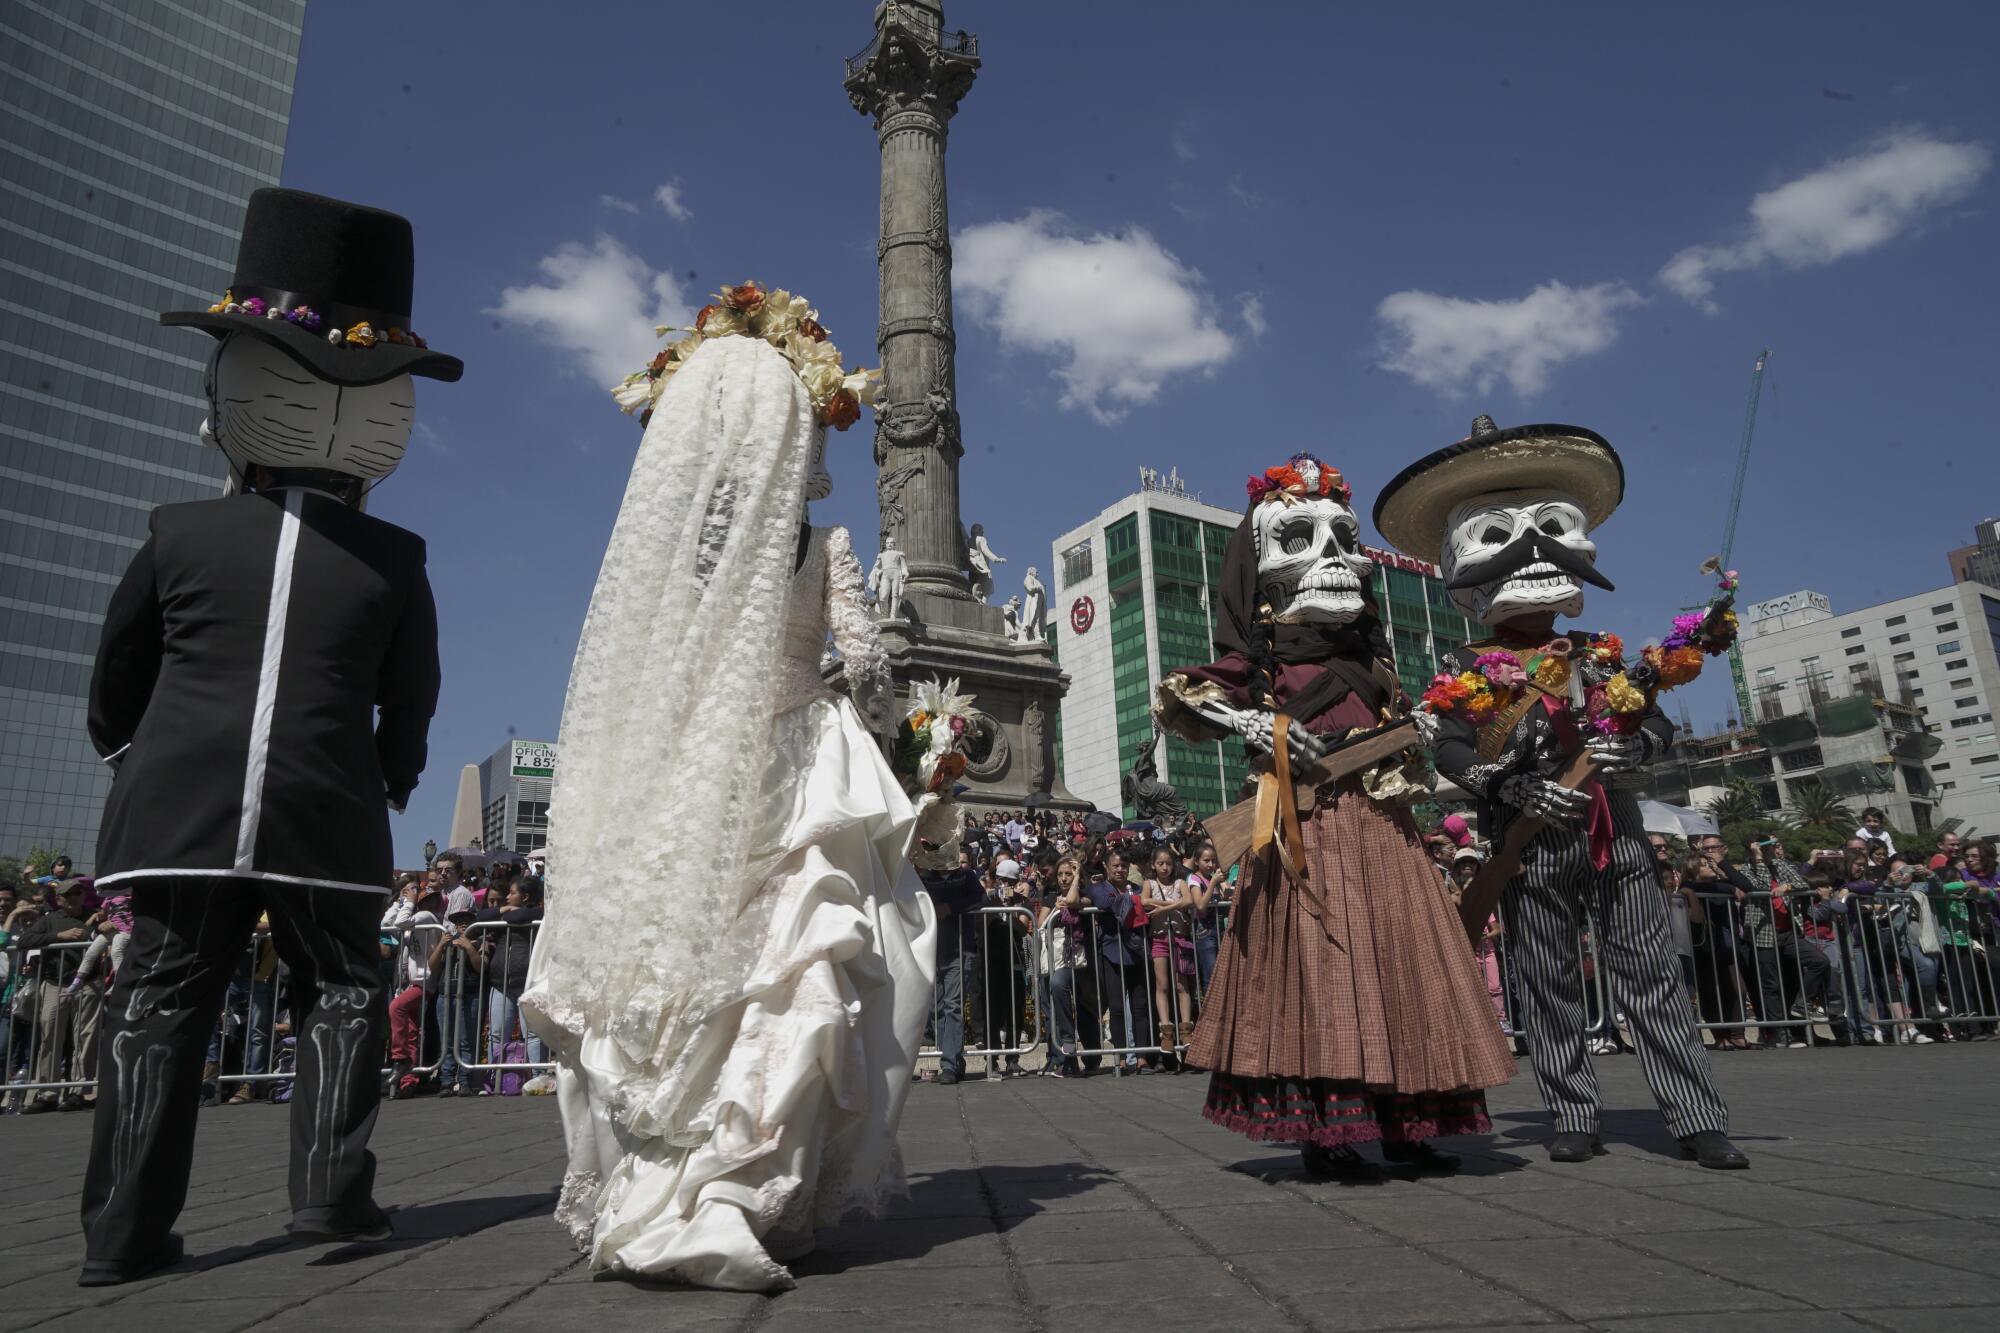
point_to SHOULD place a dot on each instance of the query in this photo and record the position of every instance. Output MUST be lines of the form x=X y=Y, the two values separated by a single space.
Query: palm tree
x=1813 y=804
x=1737 y=803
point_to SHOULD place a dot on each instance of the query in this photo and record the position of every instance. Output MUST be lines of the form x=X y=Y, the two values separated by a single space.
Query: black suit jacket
x=265 y=684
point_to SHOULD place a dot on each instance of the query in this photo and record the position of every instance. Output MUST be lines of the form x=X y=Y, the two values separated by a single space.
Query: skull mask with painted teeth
x=1309 y=563
x=1519 y=554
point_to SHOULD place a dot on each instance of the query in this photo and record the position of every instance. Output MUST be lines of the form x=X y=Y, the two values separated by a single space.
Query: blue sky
x=1202 y=236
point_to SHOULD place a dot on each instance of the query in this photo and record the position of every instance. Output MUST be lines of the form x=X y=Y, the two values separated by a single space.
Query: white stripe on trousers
x=1547 y=907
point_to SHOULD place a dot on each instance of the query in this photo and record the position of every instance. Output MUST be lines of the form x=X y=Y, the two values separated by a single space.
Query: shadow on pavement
x=994 y=1198
x=1480 y=1156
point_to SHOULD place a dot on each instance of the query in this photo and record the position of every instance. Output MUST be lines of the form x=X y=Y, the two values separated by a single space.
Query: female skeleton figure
x=735 y=1027
x=1345 y=1007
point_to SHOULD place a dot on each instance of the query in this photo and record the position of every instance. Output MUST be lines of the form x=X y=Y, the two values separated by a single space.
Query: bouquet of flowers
x=927 y=762
x=926 y=758
x=1616 y=696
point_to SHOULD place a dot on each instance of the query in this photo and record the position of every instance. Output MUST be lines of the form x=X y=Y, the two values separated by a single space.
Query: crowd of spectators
x=1858 y=944
x=454 y=941
x=1101 y=936
x=1066 y=941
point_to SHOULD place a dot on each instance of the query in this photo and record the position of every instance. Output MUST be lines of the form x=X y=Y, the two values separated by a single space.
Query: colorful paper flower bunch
x=363 y=334
x=1297 y=478
x=926 y=757
x=781 y=319
x=1618 y=703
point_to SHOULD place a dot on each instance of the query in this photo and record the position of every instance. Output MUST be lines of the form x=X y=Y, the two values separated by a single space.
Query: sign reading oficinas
x=534 y=759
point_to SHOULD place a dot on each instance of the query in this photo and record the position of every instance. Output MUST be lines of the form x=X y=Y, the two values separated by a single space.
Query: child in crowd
x=117 y=910
x=1168 y=900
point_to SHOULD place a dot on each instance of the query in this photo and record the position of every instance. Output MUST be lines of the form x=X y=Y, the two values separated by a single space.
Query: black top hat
x=328 y=282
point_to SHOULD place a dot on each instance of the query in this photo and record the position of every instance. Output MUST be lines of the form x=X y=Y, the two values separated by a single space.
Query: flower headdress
x=781 y=319
x=1296 y=479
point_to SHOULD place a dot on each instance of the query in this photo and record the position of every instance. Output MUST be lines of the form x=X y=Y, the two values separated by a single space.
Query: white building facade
x=1927 y=667
x=514 y=786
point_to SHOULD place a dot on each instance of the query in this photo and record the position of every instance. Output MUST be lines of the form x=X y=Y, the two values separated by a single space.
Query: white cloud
x=1252 y=309
x=1845 y=208
x=1182 y=148
x=612 y=201
x=1121 y=314
x=599 y=303
x=1246 y=196
x=1451 y=344
x=668 y=196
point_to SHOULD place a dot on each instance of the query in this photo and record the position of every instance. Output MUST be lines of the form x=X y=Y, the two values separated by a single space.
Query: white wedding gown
x=812 y=1059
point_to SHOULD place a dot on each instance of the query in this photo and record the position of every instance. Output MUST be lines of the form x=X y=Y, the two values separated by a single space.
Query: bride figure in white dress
x=736 y=963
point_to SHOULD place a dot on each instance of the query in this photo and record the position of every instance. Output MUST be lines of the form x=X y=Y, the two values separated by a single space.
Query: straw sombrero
x=1411 y=510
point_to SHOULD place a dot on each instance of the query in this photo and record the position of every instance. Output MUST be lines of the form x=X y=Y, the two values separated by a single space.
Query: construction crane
x=1729 y=525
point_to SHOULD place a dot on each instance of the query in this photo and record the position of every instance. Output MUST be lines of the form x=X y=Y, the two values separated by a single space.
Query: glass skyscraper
x=1136 y=596
x=136 y=130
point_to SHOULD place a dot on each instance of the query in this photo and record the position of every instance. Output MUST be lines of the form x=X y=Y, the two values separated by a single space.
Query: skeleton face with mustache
x=1517 y=554
x=265 y=409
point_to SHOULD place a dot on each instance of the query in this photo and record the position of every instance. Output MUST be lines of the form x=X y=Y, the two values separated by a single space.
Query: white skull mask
x=267 y=409
x=1528 y=552
x=1309 y=562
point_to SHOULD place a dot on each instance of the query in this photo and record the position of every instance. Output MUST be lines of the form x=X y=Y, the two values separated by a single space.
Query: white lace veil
x=668 y=720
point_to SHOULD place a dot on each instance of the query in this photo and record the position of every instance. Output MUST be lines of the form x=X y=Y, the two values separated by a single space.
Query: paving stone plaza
x=1107 y=1204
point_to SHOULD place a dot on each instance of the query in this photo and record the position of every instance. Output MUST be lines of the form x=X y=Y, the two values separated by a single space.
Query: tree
x=38 y=857
x=1812 y=804
x=1737 y=803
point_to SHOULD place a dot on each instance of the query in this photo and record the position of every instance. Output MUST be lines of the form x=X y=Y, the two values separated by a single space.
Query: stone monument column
x=910 y=79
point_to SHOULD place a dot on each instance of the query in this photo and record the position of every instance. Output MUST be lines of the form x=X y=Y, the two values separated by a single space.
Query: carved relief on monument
x=889 y=490
x=985 y=747
x=1034 y=741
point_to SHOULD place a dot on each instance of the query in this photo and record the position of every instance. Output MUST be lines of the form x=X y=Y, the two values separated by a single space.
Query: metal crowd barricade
x=500 y=977
x=1755 y=967
x=1894 y=982
x=1854 y=965
x=1503 y=972
x=1000 y=1016
x=1113 y=1007
x=52 y=1026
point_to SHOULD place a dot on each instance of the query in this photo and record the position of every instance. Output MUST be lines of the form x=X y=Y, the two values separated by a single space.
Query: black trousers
x=188 y=936
x=1786 y=976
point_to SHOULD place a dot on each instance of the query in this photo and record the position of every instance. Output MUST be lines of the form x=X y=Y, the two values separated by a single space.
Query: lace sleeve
x=854 y=635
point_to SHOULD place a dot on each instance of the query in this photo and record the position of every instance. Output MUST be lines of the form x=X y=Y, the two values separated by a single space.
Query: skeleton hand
x=1544 y=799
x=1618 y=754
x=1255 y=726
x=1426 y=723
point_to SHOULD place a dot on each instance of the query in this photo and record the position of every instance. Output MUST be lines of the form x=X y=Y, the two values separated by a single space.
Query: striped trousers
x=1557 y=895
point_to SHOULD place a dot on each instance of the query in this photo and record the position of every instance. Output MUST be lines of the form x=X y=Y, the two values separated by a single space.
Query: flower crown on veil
x=781 y=319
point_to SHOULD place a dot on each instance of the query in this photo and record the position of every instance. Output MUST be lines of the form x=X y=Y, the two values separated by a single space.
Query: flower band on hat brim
x=359 y=329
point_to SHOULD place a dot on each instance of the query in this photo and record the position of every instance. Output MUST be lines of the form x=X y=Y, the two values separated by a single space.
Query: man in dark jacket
x=264 y=688
x=957 y=895
x=66 y=1022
